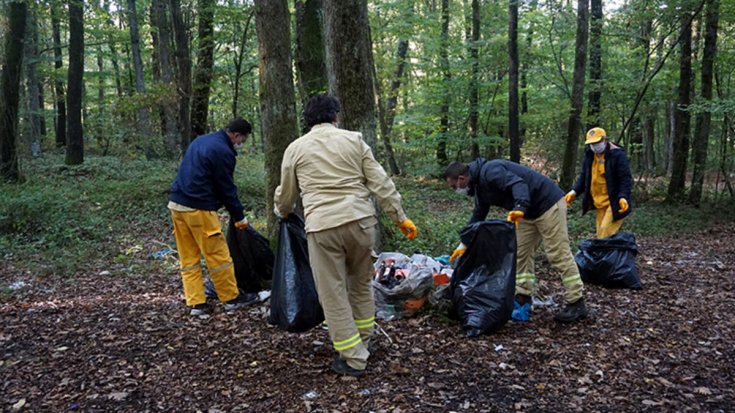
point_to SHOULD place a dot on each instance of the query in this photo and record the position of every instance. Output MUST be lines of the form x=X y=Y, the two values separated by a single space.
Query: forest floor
x=107 y=341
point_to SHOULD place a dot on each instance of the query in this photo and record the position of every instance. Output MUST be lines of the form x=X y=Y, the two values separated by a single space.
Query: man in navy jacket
x=537 y=206
x=203 y=185
x=605 y=182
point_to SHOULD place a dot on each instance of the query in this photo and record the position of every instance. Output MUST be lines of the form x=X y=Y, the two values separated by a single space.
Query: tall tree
x=441 y=147
x=703 y=118
x=574 y=124
x=474 y=79
x=143 y=120
x=595 y=83
x=183 y=73
x=75 y=132
x=205 y=68
x=113 y=49
x=387 y=115
x=348 y=48
x=33 y=85
x=10 y=87
x=277 y=98
x=310 y=65
x=162 y=31
x=58 y=79
x=513 y=122
x=681 y=136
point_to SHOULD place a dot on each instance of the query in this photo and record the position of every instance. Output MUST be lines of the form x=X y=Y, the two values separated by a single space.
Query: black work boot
x=572 y=312
x=341 y=367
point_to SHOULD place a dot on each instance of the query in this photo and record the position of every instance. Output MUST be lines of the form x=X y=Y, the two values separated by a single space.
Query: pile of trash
x=402 y=284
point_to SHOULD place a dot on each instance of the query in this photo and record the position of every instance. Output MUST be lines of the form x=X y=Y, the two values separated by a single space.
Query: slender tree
x=143 y=120
x=10 y=88
x=513 y=122
x=595 y=82
x=75 y=132
x=441 y=148
x=59 y=90
x=160 y=20
x=277 y=98
x=474 y=78
x=205 y=68
x=33 y=85
x=702 y=128
x=183 y=74
x=574 y=125
x=310 y=65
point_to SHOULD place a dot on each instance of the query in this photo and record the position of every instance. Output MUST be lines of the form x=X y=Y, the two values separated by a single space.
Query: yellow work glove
x=242 y=224
x=515 y=216
x=461 y=248
x=569 y=197
x=623 y=204
x=408 y=228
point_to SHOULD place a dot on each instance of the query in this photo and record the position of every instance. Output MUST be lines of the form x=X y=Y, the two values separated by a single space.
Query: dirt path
x=106 y=344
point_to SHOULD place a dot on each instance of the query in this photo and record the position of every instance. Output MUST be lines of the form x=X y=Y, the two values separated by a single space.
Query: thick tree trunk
x=163 y=36
x=513 y=121
x=183 y=74
x=574 y=125
x=33 y=86
x=277 y=98
x=595 y=83
x=310 y=65
x=474 y=79
x=143 y=119
x=205 y=68
x=348 y=49
x=10 y=88
x=75 y=132
x=681 y=138
x=441 y=148
x=703 y=119
x=58 y=79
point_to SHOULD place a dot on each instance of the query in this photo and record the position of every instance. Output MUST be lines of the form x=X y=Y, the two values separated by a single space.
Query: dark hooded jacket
x=510 y=186
x=617 y=175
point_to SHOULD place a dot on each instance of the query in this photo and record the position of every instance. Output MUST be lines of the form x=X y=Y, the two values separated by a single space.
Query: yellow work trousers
x=551 y=228
x=341 y=262
x=200 y=233
x=605 y=224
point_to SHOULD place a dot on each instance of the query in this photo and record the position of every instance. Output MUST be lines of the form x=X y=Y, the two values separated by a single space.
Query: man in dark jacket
x=537 y=207
x=605 y=181
x=203 y=185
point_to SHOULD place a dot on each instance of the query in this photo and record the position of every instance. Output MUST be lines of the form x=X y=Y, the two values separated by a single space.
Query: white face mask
x=463 y=191
x=238 y=146
x=598 y=147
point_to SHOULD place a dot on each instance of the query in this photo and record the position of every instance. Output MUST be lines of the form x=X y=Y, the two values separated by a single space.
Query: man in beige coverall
x=335 y=173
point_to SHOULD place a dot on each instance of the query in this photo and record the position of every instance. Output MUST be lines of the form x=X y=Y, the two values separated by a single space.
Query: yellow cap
x=595 y=135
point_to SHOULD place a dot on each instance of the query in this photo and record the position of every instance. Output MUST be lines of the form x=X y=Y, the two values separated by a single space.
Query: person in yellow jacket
x=203 y=185
x=334 y=172
x=605 y=182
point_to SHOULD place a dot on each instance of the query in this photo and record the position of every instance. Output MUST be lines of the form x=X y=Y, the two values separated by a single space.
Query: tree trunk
x=703 y=118
x=170 y=127
x=58 y=79
x=474 y=79
x=113 y=51
x=574 y=124
x=670 y=133
x=75 y=132
x=681 y=138
x=388 y=115
x=441 y=148
x=33 y=86
x=205 y=68
x=348 y=49
x=513 y=122
x=524 y=75
x=143 y=120
x=649 y=140
x=595 y=92
x=277 y=98
x=10 y=87
x=310 y=65
x=183 y=78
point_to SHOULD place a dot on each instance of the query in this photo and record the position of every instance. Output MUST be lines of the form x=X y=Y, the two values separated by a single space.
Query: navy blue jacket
x=205 y=179
x=511 y=186
x=617 y=175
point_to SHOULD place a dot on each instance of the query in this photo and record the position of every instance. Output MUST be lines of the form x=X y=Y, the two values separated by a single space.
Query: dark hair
x=321 y=109
x=455 y=170
x=239 y=125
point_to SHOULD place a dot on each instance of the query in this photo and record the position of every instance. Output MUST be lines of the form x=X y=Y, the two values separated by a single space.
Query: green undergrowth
x=63 y=219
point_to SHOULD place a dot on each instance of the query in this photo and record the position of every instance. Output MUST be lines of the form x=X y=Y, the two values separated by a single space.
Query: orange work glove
x=408 y=228
x=242 y=224
x=623 y=204
x=516 y=216
x=569 y=197
x=461 y=248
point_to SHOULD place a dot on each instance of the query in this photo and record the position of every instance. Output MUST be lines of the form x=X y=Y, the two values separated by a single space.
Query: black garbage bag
x=252 y=257
x=483 y=284
x=609 y=262
x=294 y=301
